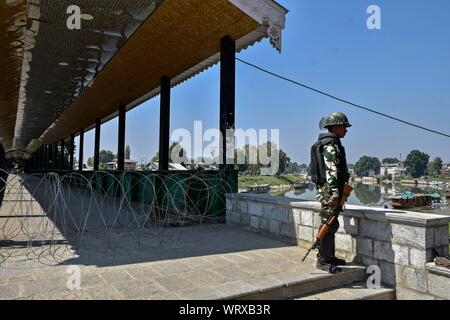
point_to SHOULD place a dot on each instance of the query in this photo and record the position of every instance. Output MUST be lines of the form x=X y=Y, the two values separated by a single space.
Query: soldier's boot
x=327 y=266
x=338 y=262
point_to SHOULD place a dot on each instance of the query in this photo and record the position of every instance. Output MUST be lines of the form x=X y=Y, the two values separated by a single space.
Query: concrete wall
x=399 y=242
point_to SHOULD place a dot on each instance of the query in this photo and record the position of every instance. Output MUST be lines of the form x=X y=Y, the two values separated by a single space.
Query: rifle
x=333 y=216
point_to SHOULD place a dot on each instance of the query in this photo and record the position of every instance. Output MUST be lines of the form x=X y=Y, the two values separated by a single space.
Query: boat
x=436 y=200
x=301 y=185
x=263 y=188
x=410 y=200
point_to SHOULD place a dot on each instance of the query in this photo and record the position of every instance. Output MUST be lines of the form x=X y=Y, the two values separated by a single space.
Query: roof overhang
x=175 y=38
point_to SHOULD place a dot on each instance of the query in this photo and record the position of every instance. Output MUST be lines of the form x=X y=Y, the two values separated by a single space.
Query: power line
x=343 y=100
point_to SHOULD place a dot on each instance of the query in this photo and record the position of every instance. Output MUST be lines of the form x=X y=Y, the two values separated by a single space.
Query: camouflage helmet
x=335 y=119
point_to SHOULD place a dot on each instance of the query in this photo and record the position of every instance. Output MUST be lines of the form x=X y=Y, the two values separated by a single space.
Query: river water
x=371 y=195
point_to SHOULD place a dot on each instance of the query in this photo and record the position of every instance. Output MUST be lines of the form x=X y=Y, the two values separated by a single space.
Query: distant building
x=129 y=165
x=370 y=180
x=154 y=166
x=445 y=170
x=395 y=169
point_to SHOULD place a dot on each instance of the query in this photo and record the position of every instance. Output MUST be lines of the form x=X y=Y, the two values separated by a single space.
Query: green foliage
x=435 y=167
x=390 y=161
x=367 y=166
x=416 y=163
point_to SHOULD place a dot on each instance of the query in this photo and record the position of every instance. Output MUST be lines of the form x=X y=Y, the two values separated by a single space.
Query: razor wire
x=48 y=217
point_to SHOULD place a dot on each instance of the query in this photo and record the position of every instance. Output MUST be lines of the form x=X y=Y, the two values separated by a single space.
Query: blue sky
x=402 y=69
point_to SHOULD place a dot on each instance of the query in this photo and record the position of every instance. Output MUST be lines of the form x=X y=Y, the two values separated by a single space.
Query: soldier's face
x=340 y=130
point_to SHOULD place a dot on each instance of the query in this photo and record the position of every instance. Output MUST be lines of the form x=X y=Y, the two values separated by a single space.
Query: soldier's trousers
x=327 y=246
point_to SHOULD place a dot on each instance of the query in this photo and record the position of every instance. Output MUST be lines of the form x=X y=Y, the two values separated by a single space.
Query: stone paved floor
x=201 y=262
x=37 y=258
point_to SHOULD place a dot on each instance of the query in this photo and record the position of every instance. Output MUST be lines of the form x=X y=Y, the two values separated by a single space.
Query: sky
x=402 y=70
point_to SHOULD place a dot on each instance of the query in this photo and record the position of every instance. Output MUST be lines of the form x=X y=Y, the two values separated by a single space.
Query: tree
x=127 y=152
x=367 y=166
x=416 y=163
x=90 y=161
x=435 y=167
x=390 y=161
x=105 y=156
x=174 y=150
x=284 y=162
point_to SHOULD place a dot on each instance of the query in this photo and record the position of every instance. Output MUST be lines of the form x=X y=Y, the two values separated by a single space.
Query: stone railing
x=399 y=242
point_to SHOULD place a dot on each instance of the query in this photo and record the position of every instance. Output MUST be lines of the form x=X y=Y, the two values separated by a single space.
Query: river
x=370 y=195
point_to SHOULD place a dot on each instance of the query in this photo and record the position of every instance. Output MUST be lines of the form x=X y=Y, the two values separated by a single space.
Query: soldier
x=330 y=173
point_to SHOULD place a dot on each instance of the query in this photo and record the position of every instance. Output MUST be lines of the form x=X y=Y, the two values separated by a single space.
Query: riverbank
x=282 y=181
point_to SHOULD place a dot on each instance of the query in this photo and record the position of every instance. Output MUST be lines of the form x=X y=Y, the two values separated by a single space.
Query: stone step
x=303 y=284
x=358 y=291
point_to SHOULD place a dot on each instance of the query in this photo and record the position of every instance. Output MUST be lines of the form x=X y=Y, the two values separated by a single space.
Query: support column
x=55 y=156
x=164 y=124
x=72 y=142
x=47 y=156
x=227 y=94
x=97 y=145
x=61 y=159
x=80 y=155
x=121 y=143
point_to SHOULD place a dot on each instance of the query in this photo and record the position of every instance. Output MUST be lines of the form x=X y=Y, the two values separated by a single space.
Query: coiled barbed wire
x=47 y=217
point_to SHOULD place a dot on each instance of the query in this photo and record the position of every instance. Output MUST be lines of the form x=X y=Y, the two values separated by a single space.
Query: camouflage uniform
x=335 y=173
x=330 y=190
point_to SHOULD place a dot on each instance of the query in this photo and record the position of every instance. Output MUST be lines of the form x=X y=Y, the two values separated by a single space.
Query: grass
x=288 y=179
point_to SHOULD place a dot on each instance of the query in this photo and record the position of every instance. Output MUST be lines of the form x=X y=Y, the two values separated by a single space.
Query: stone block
x=295 y=216
x=407 y=294
x=401 y=255
x=245 y=219
x=288 y=230
x=366 y=261
x=264 y=224
x=282 y=214
x=364 y=246
x=439 y=286
x=274 y=226
x=307 y=218
x=414 y=279
x=344 y=242
x=412 y=236
x=254 y=222
x=441 y=236
x=388 y=273
x=243 y=206
x=375 y=230
x=383 y=250
x=255 y=209
x=233 y=218
x=419 y=257
x=306 y=233
x=268 y=211
x=348 y=225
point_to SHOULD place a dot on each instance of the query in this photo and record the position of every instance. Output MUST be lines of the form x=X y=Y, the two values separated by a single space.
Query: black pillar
x=80 y=155
x=47 y=156
x=164 y=124
x=55 y=155
x=121 y=144
x=97 y=145
x=61 y=159
x=227 y=93
x=72 y=143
